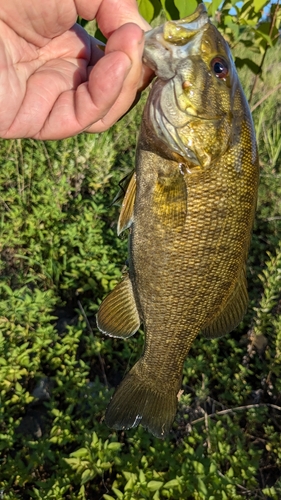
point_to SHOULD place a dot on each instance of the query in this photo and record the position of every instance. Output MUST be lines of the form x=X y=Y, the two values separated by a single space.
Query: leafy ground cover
x=59 y=256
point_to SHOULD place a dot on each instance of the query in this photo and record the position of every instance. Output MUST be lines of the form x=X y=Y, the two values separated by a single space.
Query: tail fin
x=139 y=399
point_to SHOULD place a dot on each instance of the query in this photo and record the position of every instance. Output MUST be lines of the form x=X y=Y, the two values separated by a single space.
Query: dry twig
x=233 y=410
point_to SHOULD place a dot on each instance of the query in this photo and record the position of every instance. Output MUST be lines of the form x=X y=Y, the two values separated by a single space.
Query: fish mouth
x=167 y=44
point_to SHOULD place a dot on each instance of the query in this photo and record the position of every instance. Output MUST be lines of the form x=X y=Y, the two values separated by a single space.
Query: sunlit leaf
x=149 y=9
x=87 y=476
x=259 y=4
x=263 y=35
x=214 y=7
x=154 y=485
x=171 y=484
x=185 y=7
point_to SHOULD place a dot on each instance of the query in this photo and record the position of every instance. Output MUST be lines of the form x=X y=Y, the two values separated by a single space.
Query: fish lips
x=174 y=41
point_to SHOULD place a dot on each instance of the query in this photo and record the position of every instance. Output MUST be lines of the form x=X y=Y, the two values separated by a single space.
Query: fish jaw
x=168 y=44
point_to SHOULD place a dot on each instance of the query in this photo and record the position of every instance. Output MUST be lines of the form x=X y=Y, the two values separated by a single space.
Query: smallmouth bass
x=190 y=209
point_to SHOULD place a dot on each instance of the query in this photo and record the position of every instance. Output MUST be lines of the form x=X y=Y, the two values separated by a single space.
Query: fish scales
x=190 y=208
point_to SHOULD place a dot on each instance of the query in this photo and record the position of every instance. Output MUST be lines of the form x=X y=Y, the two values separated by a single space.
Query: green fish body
x=190 y=208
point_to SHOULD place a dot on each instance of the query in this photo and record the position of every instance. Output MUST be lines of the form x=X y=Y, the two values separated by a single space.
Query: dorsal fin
x=127 y=209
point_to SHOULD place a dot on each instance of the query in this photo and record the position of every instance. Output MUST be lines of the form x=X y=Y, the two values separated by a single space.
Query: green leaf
x=18 y=387
x=95 y=440
x=270 y=492
x=82 y=452
x=259 y=4
x=130 y=484
x=154 y=485
x=213 y=468
x=230 y=473
x=201 y=487
x=199 y=468
x=142 y=477
x=263 y=35
x=214 y=7
x=87 y=476
x=171 y=484
x=118 y=493
x=73 y=462
x=146 y=9
x=185 y=7
x=128 y=475
x=115 y=446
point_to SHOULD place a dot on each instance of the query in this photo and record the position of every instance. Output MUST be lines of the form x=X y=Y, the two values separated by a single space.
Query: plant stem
x=265 y=97
x=232 y=410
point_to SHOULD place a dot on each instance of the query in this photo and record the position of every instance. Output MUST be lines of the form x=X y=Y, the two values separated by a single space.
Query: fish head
x=196 y=103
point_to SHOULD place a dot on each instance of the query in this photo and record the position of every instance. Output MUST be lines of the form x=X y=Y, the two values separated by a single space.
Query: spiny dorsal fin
x=123 y=184
x=233 y=312
x=127 y=209
x=118 y=315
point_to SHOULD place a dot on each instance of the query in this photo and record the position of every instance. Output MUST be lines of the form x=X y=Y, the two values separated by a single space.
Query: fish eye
x=219 y=67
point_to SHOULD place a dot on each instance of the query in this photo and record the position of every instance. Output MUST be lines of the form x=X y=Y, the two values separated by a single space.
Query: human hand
x=55 y=80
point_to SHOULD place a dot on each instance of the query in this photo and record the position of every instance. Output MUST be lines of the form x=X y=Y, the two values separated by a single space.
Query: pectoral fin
x=127 y=209
x=232 y=313
x=118 y=315
x=170 y=200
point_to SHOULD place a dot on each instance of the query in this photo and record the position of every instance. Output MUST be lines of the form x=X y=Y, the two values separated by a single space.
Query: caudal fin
x=140 y=400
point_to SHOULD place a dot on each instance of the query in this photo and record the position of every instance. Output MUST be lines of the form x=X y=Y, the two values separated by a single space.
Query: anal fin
x=233 y=312
x=118 y=315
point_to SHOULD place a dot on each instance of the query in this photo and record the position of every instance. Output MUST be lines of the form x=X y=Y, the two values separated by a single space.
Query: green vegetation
x=59 y=256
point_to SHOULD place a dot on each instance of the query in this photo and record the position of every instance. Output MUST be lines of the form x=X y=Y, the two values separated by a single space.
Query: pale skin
x=55 y=81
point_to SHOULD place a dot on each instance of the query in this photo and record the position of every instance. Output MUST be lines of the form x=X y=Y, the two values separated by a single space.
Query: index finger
x=112 y=14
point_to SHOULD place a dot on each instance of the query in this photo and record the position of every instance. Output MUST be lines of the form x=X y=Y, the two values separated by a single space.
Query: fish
x=189 y=207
